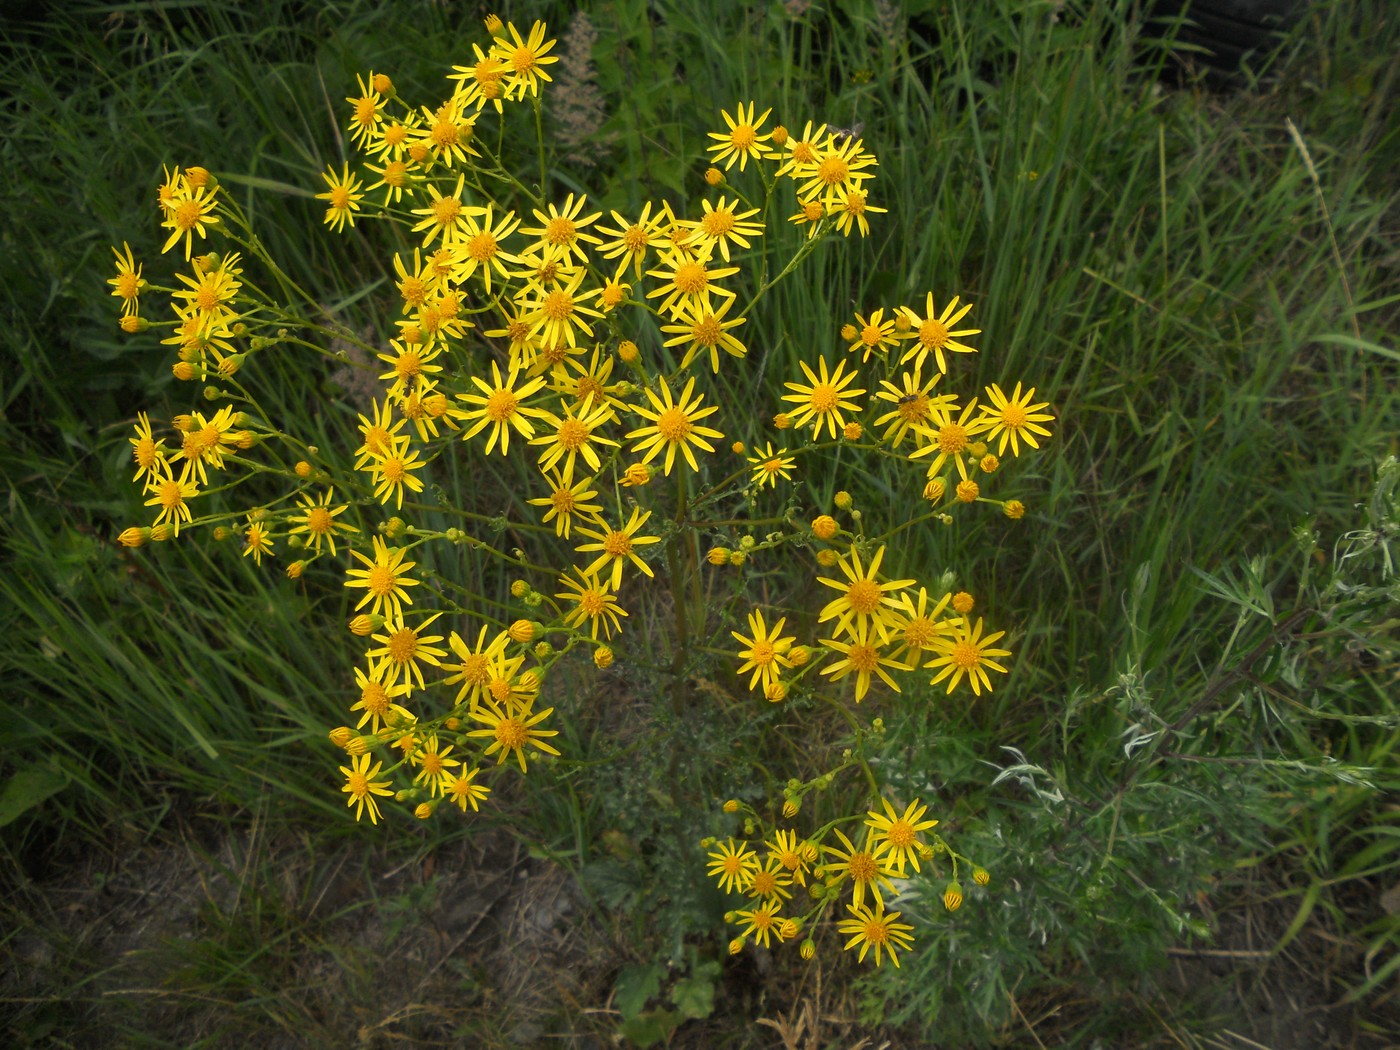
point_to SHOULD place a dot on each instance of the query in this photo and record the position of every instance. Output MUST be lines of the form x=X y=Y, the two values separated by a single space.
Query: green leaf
x=694 y=996
x=27 y=788
x=651 y=1027
x=635 y=985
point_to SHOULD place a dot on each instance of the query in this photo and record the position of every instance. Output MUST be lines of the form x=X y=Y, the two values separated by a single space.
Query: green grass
x=1201 y=704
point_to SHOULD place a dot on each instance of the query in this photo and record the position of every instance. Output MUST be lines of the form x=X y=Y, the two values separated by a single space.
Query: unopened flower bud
x=849 y=332
x=718 y=556
x=494 y=24
x=776 y=692
x=522 y=631
x=737 y=448
x=423 y=810
x=636 y=474
x=519 y=588
x=934 y=490
x=230 y=365
x=731 y=805
x=183 y=371
x=953 y=896
x=791 y=808
x=134 y=536
x=340 y=735
x=394 y=528
x=988 y=463
x=543 y=650
x=852 y=431
x=842 y=499
x=824 y=527
x=295 y=569
x=627 y=351
x=782 y=421
x=163 y=532
x=363 y=625
x=827 y=558
x=981 y=876
x=602 y=657
x=780 y=135
x=798 y=655
x=808 y=949
x=737 y=558
x=1015 y=509
x=380 y=82
x=963 y=602
x=713 y=176
x=967 y=491
x=302 y=469
x=358 y=744
x=131 y=324
x=736 y=946
x=245 y=439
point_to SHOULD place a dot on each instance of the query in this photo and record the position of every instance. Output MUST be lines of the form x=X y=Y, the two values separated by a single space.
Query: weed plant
x=1200 y=598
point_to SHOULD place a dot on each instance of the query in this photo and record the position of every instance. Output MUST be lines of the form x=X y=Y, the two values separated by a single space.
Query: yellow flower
x=189 y=210
x=560 y=232
x=479 y=248
x=445 y=135
x=674 y=426
x=915 y=626
x=499 y=406
x=377 y=699
x=401 y=649
x=365 y=113
x=874 y=928
x=567 y=498
x=851 y=207
x=873 y=333
x=362 y=787
x=788 y=852
x=1014 y=418
x=861 y=655
x=525 y=59
x=257 y=541
x=966 y=652
x=480 y=664
x=863 y=600
x=170 y=495
x=617 y=546
x=148 y=453
x=384 y=580
x=435 y=765
x=462 y=788
x=900 y=832
x=865 y=867
x=688 y=281
x=483 y=81
x=392 y=471
x=513 y=729
x=760 y=923
x=705 y=331
x=342 y=199
x=742 y=140
x=823 y=401
x=318 y=520
x=733 y=864
x=446 y=217
x=765 y=653
x=949 y=437
x=722 y=224
x=574 y=434
x=934 y=333
x=769 y=465
x=128 y=283
x=629 y=242
x=557 y=314
x=912 y=404
x=593 y=601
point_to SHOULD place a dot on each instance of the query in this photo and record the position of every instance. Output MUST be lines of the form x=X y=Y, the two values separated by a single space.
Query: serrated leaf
x=694 y=996
x=651 y=1028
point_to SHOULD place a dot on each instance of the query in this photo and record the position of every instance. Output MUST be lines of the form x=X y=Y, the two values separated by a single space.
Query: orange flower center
x=864 y=597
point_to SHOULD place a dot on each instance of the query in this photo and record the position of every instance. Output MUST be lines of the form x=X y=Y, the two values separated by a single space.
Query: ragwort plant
x=581 y=344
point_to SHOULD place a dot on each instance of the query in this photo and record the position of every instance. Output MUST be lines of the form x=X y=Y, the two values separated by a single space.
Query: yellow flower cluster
x=531 y=326
x=894 y=841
